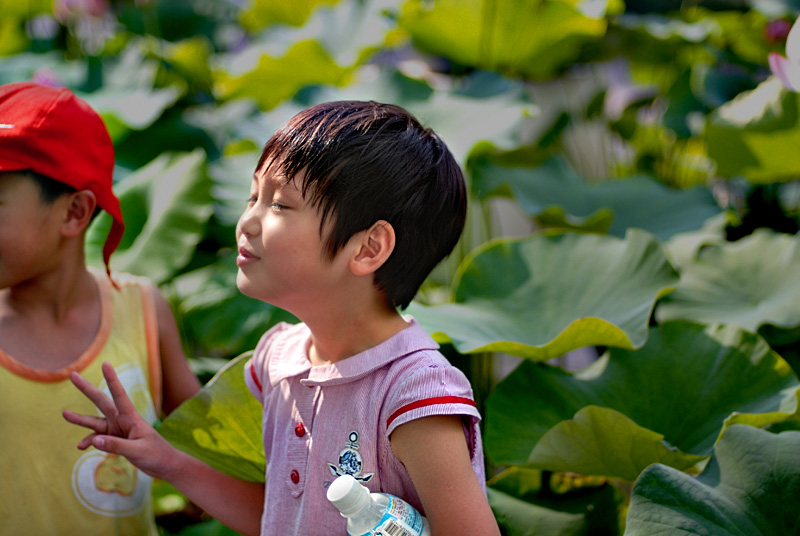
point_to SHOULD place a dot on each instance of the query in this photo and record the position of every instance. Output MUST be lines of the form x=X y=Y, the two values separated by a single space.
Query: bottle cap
x=348 y=495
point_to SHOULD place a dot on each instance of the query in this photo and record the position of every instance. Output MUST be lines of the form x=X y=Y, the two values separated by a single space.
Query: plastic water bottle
x=375 y=514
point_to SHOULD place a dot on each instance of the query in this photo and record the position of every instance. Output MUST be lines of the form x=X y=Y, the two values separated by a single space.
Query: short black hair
x=365 y=161
x=50 y=189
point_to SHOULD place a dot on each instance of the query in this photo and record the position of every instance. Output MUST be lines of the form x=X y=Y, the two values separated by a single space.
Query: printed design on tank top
x=349 y=461
x=108 y=484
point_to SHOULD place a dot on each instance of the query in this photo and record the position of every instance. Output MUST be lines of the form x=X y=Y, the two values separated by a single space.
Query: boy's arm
x=179 y=382
x=234 y=502
x=435 y=453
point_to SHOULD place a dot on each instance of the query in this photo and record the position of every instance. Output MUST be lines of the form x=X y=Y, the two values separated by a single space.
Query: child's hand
x=123 y=431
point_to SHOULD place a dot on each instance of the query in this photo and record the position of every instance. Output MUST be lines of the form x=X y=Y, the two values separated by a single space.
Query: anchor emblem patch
x=349 y=461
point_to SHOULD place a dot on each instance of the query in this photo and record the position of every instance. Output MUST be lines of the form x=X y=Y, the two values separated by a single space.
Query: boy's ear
x=375 y=246
x=80 y=207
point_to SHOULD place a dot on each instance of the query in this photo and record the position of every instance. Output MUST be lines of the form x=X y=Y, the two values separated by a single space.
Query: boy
x=351 y=206
x=57 y=317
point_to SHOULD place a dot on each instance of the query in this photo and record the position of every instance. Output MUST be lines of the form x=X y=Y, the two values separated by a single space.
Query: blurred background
x=627 y=141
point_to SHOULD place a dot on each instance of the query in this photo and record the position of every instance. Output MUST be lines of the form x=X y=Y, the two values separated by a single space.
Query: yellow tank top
x=49 y=486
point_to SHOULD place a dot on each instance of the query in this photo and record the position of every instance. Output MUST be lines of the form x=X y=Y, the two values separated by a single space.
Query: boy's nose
x=247 y=224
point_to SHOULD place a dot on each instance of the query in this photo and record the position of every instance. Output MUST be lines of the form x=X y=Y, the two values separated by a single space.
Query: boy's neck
x=348 y=335
x=48 y=323
x=53 y=295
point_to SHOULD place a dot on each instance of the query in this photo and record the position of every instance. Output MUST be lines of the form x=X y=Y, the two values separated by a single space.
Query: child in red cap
x=58 y=316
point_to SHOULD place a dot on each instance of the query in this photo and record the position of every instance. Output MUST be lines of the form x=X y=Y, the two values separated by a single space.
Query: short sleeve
x=437 y=388
x=434 y=388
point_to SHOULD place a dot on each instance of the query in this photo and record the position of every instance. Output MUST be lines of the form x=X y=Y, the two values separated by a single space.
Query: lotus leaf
x=261 y=13
x=274 y=80
x=533 y=38
x=166 y=206
x=524 y=504
x=542 y=296
x=638 y=201
x=750 y=283
x=745 y=134
x=221 y=425
x=750 y=487
x=221 y=319
x=666 y=402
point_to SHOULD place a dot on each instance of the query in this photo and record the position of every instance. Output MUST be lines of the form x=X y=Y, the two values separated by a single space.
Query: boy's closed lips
x=245 y=257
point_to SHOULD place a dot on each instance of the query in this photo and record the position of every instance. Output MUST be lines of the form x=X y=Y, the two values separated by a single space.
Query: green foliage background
x=634 y=195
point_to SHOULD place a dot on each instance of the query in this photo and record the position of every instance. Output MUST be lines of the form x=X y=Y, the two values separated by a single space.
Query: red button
x=295 y=476
x=299 y=430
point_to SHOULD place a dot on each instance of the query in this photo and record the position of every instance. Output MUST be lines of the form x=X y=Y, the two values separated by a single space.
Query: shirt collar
x=291 y=356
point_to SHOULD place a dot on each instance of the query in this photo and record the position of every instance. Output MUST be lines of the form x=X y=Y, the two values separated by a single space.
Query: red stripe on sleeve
x=429 y=402
x=255 y=378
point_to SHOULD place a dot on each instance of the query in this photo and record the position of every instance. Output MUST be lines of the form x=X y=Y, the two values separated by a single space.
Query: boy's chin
x=250 y=288
x=243 y=284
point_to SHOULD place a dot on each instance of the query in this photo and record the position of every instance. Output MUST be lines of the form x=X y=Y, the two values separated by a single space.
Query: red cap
x=58 y=135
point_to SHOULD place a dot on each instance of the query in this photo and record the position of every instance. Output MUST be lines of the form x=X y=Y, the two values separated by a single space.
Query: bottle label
x=400 y=519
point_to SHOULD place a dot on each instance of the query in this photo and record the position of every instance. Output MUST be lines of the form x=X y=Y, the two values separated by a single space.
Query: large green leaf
x=165 y=206
x=665 y=402
x=638 y=201
x=527 y=505
x=752 y=282
x=682 y=248
x=221 y=425
x=532 y=38
x=128 y=100
x=261 y=13
x=542 y=296
x=455 y=116
x=232 y=178
x=521 y=518
x=751 y=487
x=602 y=441
x=351 y=32
x=189 y=61
x=15 y=39
x=745 y=135
x=131 y=108
x=787 y=416
x=270 y=80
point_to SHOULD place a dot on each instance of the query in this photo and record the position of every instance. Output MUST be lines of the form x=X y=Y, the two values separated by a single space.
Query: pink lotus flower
x=788 y=69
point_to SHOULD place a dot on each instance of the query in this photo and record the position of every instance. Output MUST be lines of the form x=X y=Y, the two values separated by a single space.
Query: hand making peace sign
x=122 y=431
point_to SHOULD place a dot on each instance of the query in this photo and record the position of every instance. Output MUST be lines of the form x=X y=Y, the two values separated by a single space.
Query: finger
x=112 y=444
x=98 y=398
x=98 y=441
x=97 y=424
x=86 y=442
x=123 y=403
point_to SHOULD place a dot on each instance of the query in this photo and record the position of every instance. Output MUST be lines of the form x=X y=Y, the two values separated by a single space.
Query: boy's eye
x=277 y=206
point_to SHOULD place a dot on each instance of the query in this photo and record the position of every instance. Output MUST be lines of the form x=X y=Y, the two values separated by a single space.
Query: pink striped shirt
x=323 y=421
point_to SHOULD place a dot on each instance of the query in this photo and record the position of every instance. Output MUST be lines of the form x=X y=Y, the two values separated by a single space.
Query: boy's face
x=29 y=230
x=281 y=253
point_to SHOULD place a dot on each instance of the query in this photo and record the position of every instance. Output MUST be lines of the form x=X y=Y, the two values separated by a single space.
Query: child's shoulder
x=127 y=295
x=424 y=365
x=424 y=383
x=121 y=279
